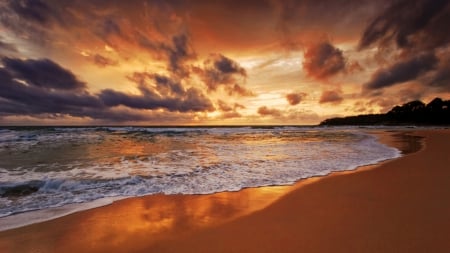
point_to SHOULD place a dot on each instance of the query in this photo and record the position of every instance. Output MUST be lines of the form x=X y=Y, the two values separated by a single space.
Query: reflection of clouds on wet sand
x=146 y=219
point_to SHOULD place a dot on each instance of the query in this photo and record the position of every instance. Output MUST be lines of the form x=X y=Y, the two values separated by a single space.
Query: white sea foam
x=71 y=165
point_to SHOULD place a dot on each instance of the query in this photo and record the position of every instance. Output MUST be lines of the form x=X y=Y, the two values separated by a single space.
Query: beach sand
x=402 y=205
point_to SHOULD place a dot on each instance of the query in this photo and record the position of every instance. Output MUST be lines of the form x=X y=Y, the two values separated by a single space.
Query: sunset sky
x=217 y=62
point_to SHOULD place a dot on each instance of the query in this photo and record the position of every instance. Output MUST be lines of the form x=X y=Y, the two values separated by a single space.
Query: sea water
x=47 y=167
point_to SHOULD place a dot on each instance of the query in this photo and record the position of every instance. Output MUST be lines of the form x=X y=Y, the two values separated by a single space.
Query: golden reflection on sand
x=143 y=221
x=158 y=217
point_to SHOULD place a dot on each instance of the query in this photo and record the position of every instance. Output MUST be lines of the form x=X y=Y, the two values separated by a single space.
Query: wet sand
x=402 y=205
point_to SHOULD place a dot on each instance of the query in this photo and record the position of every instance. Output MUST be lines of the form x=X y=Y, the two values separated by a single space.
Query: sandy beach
x=401 y=205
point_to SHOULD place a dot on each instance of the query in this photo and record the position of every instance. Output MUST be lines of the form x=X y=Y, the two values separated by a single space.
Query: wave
x=121 y=163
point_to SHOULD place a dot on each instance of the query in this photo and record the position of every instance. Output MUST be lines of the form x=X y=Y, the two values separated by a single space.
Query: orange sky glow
x=217 y=62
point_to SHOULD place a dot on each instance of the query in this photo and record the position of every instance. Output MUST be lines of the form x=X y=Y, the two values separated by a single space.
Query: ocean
x=47 y=167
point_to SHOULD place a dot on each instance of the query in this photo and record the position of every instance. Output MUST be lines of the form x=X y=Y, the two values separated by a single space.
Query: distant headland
x=437 y=112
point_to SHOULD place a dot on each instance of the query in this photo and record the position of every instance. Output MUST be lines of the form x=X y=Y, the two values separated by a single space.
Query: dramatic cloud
x=148 y=60
x=33 y=10
x=266 y=111
x=419 y=23
x=220 y=71
x=295 y=98
x=163 y=85
x=331 y=96
x=23 y=98
x=168 y=95
x=227 y=66
x=27 y=99
x=402 y=71
x=42 y=73
x=176 y=51
x=37 y=87
x=168 y=86
x=32 y=19
x=418 y=31
x=323 y=60
x=179 y=53
x=193 y=100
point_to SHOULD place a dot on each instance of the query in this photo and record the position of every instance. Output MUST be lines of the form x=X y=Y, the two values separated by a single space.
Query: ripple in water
x=50 y=167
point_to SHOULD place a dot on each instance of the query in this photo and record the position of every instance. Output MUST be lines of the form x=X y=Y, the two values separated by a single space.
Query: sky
x=217 y=62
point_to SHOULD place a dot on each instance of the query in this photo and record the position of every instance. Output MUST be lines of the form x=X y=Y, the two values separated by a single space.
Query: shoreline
x=190 y=225
x=24 y=219
x=395 y=206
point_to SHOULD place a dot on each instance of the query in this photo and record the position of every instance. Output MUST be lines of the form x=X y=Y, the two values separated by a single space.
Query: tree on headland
x=437 y=112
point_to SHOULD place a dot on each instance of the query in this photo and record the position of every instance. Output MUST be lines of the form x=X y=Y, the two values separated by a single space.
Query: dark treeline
x=437 y=112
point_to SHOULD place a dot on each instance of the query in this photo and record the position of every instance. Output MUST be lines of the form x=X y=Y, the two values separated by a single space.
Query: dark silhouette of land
x=437 y=112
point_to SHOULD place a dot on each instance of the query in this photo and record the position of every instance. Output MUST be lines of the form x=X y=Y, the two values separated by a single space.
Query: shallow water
x=49 y=167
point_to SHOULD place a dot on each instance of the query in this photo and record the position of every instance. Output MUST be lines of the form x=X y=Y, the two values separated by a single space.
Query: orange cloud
x=323 y=60
x=331 y=96
x=265 y=111
x=295 y=98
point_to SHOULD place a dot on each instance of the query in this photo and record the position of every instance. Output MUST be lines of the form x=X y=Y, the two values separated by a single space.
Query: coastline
x=181 y=224
x=25 y=218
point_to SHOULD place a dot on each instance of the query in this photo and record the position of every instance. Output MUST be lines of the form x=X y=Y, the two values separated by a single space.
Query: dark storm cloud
x=178 y=53
x=295 y=98
x=218 y=70
x=42 y=87
x=331 y=96
x=402 y=71
x=168 y=86
x=42 y=73
x=117 y=23
x=192 y=101
x=24 y=99
x=163 y=85
x=221 y=71
x=323 y=60
x=159 y=92
x=419 y=23
x=34 y=19
x=227 y=66
x=419 y=30
x=33 y=10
